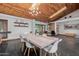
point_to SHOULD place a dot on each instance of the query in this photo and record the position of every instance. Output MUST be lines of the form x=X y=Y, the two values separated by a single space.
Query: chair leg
x=56 y=54
x=25 y=51
x=22 y=47
x=28 y=51
x=52 y=54
x=40 y=52
x=35 y=51
x=45 y=53
x=0 y=41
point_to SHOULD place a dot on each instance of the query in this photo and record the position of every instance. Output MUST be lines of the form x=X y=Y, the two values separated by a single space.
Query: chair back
x=22 y=38
x=28 y=44
x=55 y=46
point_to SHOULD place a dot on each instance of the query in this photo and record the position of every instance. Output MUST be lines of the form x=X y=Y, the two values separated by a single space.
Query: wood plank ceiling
x=49 y=11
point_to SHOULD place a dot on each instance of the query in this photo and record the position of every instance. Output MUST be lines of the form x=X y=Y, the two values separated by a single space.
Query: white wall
x=16 y=31
x=74 y=14
x=62 y=30
x=73 y=20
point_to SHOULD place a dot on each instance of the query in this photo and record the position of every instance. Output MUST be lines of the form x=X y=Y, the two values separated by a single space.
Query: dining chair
x=52 y=48
x=29 y=46
x=22 y=42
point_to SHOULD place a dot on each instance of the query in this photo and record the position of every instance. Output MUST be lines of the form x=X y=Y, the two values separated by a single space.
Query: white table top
x=41 y=41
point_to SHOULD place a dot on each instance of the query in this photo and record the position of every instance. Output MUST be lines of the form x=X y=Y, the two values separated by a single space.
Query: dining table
x=40 y=41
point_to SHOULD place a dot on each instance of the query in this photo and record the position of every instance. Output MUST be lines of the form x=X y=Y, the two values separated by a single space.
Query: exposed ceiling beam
x=58 y=12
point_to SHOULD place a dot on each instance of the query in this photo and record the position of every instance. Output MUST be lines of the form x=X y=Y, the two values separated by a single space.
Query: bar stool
x=52 y=48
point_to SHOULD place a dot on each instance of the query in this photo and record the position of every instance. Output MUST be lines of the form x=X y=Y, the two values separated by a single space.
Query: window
x=3 y=28
x=39 y=28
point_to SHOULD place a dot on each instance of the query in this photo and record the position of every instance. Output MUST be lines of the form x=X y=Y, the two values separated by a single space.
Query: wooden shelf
x=20 y=24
